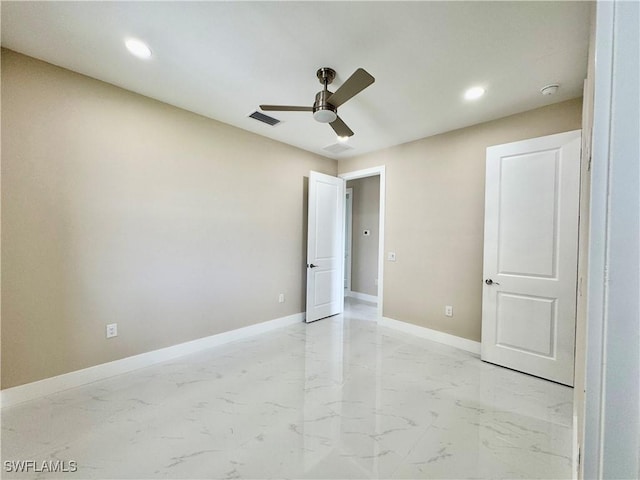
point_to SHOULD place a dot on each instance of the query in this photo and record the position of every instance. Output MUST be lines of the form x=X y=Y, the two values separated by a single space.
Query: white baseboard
x=361 y=296
x=41 y=388
x=434 y=335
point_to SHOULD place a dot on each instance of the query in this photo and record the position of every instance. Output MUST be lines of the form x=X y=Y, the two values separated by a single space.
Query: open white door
x=530 y=255
x=325 y=246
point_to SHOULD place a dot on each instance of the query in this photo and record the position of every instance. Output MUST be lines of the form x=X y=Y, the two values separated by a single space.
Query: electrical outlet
x=281 y=298
x=448 y=311
x=112 y=330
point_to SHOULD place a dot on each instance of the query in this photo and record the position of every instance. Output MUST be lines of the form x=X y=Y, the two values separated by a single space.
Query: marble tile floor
x=339 y=398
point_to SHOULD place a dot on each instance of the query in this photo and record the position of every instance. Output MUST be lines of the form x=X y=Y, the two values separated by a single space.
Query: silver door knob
x=488 y=281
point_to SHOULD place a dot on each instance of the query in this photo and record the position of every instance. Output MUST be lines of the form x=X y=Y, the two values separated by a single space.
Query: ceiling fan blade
x=341 y=128
x=357 y=82
x=285 y=108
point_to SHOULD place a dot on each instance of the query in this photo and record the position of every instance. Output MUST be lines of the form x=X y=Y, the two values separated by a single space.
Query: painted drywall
x=434 y=216
x=119 y=208
x=366 y=216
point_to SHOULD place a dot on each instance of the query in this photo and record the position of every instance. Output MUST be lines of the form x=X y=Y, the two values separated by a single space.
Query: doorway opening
x=364 y=236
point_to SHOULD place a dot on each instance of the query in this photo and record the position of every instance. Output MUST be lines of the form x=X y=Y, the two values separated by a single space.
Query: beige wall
x=435 y=216
x=119 y=208
x=366 y=216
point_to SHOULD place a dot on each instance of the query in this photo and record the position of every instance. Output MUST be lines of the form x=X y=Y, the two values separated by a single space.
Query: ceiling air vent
x=337 y=148
x=261 y=117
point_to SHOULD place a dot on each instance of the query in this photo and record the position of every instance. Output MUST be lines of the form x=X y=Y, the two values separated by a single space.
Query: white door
x=530 y=255
x=325 y=246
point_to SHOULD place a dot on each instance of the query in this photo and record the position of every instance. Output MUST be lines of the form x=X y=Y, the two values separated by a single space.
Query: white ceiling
x=223 y=59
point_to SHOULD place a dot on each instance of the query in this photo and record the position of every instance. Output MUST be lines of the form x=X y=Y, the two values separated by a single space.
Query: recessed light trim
x=138 y=48
x=474 y=93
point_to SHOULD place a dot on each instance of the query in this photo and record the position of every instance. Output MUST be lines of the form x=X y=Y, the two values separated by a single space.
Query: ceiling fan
x=325 y=108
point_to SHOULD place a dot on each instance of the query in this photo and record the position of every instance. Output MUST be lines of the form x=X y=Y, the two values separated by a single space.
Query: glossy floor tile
x=338 y=398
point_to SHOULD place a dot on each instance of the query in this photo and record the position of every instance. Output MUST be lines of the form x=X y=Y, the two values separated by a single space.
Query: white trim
x=361 y=296
x=372 y=172
x=48 y=386
x=612 y=409
x=348 y=235
x=434 y=335
x=366 y=172
x=575 y=467
x=596 y=276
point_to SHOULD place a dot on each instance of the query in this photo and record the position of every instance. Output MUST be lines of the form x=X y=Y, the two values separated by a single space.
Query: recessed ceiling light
x=342 y=139
x=138 y=48
x=474 y=93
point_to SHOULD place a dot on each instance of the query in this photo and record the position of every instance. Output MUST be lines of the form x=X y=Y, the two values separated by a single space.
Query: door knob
x=488 y=281
x=311 y=265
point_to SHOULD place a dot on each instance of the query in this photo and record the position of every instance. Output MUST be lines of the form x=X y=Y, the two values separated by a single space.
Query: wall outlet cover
x=112 y=330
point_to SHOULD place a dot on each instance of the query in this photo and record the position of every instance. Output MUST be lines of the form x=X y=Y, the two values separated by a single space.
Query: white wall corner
x=433 y=335
x=31 y=391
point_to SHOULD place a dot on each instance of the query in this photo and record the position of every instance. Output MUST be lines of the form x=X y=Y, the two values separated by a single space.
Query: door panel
x=325 y=246
x=527 y=234
x=530 y=255
x=526 y=323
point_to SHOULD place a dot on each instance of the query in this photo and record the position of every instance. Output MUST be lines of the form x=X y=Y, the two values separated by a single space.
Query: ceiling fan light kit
x=325 y=106
x=323 y=111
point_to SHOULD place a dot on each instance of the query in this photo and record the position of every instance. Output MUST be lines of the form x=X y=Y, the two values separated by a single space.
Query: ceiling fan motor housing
x=323 y=111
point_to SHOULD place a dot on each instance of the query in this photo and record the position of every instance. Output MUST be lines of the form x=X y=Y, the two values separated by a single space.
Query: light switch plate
x=391 y=256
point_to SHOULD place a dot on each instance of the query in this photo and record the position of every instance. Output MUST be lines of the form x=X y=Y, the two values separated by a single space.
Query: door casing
x=372 y=172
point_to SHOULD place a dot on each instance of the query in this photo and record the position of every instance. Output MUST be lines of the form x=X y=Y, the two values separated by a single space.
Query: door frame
x=372 y=172
x=348 y=235
x=612 y=419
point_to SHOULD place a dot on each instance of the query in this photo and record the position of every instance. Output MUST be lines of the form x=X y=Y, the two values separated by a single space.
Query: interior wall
x=434 y=217
x=117 y=208
x=364 y=250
